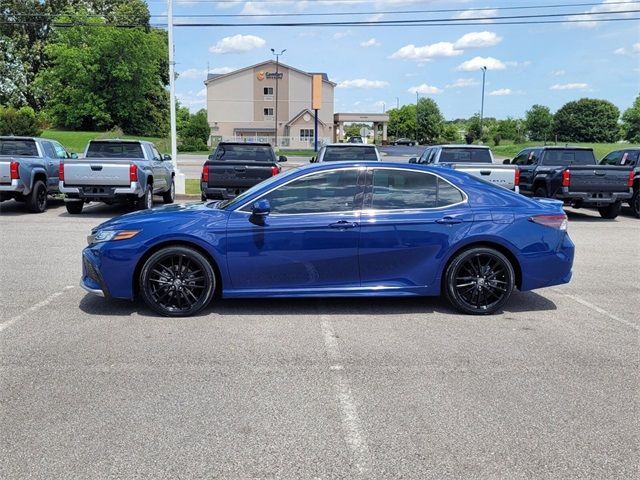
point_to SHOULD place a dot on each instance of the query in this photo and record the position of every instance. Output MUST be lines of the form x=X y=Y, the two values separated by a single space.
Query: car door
x=409 y=221
x=308 y=241
x=51 y=163
x=159 y=170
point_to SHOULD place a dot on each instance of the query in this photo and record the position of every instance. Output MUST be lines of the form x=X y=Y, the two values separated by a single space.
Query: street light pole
x=179 y=178
x=484 y=73
x=277 y=78
x=417 y=101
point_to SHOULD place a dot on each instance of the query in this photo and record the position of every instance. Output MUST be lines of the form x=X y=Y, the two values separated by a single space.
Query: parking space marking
x=353 y=433
x=601 y=311
x=34 y=308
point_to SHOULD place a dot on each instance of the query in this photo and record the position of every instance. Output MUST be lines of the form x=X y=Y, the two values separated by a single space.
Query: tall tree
x=631 y=122
x=430 y=121
x=402 y=121
x=588 y=120
x=539 y=123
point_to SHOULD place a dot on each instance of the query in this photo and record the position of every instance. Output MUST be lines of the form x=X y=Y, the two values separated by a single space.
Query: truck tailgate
x=97 y=172
x=503 y=175
x=238 y=175
x=598 y=178
x=5 y=172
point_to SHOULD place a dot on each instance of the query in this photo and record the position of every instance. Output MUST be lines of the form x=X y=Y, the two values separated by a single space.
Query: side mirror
x=166 y=157
x=210 y=157
x=313 y=160
x=506 y=161
x=282 y=158
x=413 y=160
x=261 y=208
x=74 y=156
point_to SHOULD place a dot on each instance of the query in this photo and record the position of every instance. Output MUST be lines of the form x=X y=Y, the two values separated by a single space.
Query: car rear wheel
x=145 y=202
x=170 y=195
x=635 y=203
x=37 y=199
x=540 y=192
x=177 y=282
x=74 y=208
x=610 y=211
x=479 y=281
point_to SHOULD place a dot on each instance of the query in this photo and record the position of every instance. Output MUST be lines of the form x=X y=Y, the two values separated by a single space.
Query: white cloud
x=363 y=83
x=194 y=73
x=202 y=93
x=463 y=83
x=526 y=63
x=478 y=40
x=607 y=6
x=620 y=51
x=424 y=89
x=635 y=48
x=501 y=92
x=570 y=86
x=194 y=101
x=343 y=34
x=426 y=52
x=237 y=44
x=253 y=8
x=558 y=73
x=477 y=63
x=372 y=42
x=477 y=14
x=223 y=70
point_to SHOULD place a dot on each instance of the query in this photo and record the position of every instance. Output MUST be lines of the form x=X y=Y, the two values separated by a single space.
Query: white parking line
x=34 y=308
x=595 y=308
x=353 y=433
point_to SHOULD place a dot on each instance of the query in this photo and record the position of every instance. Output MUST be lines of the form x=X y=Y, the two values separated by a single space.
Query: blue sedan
x=336 y=230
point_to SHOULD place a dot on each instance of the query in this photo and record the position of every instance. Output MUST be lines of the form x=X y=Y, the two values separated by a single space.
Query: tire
x=540 y=192
x=37 y=199
x=170 y=195
x=74 y=208
x=177 y=282
x=634 y=203
x=145 y=202
x=610 y=211
x=479 y=281
x=203 y=198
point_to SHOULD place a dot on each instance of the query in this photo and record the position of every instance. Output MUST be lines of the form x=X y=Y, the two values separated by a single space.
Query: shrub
x=23 y=121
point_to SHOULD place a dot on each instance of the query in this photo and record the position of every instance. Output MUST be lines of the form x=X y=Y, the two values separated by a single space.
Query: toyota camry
x=337 y=230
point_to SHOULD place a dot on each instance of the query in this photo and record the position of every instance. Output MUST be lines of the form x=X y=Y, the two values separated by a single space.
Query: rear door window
x=49 y=150
x=18 y=147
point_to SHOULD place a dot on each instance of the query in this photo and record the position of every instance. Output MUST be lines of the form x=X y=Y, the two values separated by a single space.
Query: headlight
x=107 y=235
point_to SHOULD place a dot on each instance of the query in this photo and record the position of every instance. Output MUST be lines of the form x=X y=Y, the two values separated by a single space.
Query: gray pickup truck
x=117 y=171
x=29 y=170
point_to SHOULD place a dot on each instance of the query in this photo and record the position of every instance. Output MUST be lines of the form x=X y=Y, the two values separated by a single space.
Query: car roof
x=251 y=144
x=559 y=147
x=118 y=140
x=21 y=137
x=352 y=145
x=479 y=147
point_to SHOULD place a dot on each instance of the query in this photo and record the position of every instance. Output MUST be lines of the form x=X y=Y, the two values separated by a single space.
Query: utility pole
x=397 y=102
x=417 y=100
x=277 y=78
x=179 y=178
x=484 y=73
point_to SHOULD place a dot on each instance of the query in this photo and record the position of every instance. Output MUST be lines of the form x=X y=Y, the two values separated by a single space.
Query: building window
x=306 y=134
x=268 y=90
x=268 y=112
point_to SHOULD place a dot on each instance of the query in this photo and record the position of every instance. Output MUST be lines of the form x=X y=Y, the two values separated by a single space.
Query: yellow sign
x=260 y=75
x=316 y=92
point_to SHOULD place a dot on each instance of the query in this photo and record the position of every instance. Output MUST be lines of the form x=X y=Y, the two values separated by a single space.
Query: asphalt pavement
x=301 y=389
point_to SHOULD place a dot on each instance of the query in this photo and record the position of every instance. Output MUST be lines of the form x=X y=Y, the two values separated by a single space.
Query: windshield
x=465 y=155
x=114 y=150
x=566 y=157
x=336 y=154
x=22 y=147
x=244 y=153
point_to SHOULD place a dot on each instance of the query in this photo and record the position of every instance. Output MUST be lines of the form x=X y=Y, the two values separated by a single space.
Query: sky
x=376 y=68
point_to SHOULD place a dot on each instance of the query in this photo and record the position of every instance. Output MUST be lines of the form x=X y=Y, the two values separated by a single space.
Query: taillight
x=558 y=221
x=274 y=171
x=133 y=173
x=205 y=174
x=516 y=180
x=61 y=172
x=631 y=179
x=14 y=168
x=566 y=178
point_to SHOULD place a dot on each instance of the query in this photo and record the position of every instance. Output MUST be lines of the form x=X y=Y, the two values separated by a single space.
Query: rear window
x=465 y=155
x=114 y=150
x=568 y=157
x=337 y=154
x=244 y=153
x=21 y=147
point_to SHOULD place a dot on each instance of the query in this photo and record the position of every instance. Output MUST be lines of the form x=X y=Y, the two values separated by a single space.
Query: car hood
x=170 y=214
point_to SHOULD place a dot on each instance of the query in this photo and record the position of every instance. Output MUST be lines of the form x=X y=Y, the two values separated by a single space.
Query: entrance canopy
x=339 y=119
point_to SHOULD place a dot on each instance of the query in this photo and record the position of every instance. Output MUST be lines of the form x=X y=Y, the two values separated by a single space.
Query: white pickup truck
x=475 y=160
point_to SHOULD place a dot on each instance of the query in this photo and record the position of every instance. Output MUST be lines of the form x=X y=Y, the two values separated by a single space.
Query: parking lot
x=336 y=388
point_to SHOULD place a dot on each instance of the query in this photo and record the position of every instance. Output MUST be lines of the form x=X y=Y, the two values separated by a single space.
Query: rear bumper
x=221 y=193
x=100 y=192
x=554 y=268
x=592 y=199
x=16 y=186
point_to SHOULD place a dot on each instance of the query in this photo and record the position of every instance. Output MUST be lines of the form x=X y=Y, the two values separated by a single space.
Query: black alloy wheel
x=635 y=203
x=37 y=200
x=479 y=281
x=170 y=195
x=177 y=282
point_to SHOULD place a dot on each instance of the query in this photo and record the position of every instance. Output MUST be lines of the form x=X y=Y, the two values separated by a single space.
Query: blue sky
x=375 y=67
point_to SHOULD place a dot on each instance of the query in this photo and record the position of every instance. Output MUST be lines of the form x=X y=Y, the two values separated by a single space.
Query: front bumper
x=592 y=199
x=101 y=192
x=92 y=280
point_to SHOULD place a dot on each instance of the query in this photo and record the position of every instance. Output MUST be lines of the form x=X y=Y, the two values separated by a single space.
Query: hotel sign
x=261 y=75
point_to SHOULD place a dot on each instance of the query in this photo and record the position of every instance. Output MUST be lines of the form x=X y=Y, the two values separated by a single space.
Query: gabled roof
x=215 y=76
x=302 y=112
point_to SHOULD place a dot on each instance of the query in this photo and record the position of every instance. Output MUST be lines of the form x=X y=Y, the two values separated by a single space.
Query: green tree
x=402 y=122
x=198 y=126
x=182 y=118
x=430 y=121
x=474 y=130
x=22 y=121
x=588 y=120
x=631 y=122
x=539 y=123
x=102 y=76
x=450 y=133
x=353 y=130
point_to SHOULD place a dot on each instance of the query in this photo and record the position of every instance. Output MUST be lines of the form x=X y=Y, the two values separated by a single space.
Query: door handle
x=449 y=220
x=485 y=172
x=343 y=225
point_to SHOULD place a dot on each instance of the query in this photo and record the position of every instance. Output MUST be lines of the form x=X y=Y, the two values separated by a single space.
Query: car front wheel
x=177 y=282
x=479 y=281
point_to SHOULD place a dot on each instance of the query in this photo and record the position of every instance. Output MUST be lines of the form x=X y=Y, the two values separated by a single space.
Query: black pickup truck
x=235 y=167
x=571 y=174
x=628 y=159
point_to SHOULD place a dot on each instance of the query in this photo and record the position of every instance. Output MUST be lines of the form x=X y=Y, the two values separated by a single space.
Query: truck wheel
x=37 y=199
x=540 y=192
x=74 y=208
x=635 y=203
x=145 y=202
x=610 y=211
x=170 y=195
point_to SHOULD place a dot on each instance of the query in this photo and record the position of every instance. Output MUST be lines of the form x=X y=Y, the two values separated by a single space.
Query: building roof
x=214 y=76
x=302 y=112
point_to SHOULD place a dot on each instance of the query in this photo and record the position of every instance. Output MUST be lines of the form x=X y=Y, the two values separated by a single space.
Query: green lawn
x=193 y=186
x=600 y=149
x=296 y=153
x=77 y=141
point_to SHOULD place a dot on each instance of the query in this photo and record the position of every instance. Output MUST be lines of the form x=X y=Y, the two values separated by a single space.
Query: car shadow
x=100 y=210
x=12 y=208
x=284 y=307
